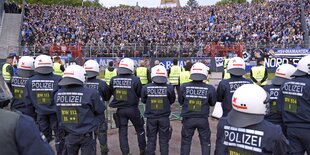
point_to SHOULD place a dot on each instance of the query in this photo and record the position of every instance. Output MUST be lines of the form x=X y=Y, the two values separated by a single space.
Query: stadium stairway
x=9 y=34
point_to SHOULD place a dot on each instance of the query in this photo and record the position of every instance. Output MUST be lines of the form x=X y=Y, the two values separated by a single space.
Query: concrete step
x=10 y=31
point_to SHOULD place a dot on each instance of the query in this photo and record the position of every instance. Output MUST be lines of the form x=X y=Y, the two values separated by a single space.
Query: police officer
x=184 y=76
x=80 y=111
x=92 y=70
x=126 y=90
x=196 y=97
x=294 y=97
x=143 y=73
x=174 y=74
x=244 y=130
x=7 y=70
x=24 y=72
x=58 y=67
x=282 y=74
x=259 y=73
x=40 y=90
x=158 y=97
x=18 y=133
x=109 y=73
x=226 y=88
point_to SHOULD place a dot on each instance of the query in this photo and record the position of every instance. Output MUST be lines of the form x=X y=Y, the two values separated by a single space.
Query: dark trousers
x=48 y=124
x=87 y=144
x=188 y=130
x=299 y=139
x=132 y=114
x=154 y=126
x=102 y=137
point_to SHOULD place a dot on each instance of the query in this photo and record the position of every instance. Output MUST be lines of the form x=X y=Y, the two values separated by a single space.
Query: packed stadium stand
x=163 y=32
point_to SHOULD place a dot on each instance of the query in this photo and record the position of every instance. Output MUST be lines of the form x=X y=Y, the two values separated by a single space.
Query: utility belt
x=85 y=135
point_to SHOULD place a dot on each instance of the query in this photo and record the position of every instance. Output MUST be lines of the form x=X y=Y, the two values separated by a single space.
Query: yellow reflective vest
x=174 y=75
x=258 y=72
x=6 y=75
x=142 y=74
x=57 y=70
x=184 y=77
x=108 y=75
x=226 y=74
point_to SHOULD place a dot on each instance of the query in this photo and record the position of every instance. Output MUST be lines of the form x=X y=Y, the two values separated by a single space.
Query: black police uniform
x=19 y=103
x=105 y=93
x=294 y=98
x=263 y=138
x=226 y=89
x=126 y=90
x=196 y=97
x=80 y=112
x=19 y=135
x=40 y=90
x=275 y=111
x=158 y=98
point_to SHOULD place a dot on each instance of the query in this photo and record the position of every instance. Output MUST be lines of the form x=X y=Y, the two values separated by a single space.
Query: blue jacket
x=40 y=90
x=79 y=109
x=196 y=99
x=275 y=111
x=226 y=89
x=101 y=86
x=126 y=90
x=263 y=138
x=158 y=99
x=294 y=97
x=18 y=87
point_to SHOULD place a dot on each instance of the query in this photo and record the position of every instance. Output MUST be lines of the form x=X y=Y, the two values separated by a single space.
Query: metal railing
x=138 y=50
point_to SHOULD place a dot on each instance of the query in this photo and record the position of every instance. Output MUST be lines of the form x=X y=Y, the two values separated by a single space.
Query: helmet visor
x=198 y=77
x=122 y=70
x=70 y=81
x=239 y=119
x=24 y=73
x=236 y=71
x=159 y=79
x=44 y=70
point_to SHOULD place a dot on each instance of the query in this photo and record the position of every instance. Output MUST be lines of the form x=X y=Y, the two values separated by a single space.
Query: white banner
x=219 y=61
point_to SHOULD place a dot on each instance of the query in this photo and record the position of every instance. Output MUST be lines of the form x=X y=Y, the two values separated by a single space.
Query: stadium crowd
x=273 y=22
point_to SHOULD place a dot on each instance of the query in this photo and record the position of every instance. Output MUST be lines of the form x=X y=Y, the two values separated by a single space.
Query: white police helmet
x=126 y=66
x=25 y=66
x=43 y=64
x=92 y=68
x=283 y=73
x=199 y=72
x=248 y=108
x=236 y=66
x=159 y=74
x=303 y=66
x=74 y=74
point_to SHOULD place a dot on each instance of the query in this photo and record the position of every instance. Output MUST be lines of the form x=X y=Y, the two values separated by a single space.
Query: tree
x=192 y=3
x=225 y=2
x=258 y=1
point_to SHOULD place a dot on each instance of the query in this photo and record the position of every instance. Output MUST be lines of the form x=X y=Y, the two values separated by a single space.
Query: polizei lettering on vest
x=122 y=82
x=42 y=85
x=293 y=88
x=233 y=86
x=243 y=138
x=196 y=92
x=93 y=86
x=157 y=91
x=20 y=82
x=69 y=99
